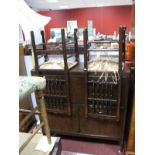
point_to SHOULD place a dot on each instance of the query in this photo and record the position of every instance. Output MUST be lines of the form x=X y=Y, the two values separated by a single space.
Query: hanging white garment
x=30 y=20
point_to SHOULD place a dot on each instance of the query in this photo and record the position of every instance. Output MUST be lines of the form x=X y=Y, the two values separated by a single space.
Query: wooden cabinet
x=75 y=111
x=77 y=123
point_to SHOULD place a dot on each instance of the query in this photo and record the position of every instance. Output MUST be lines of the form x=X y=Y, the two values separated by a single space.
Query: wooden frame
x=62 y=80
x=44 y=123
x=96 y=101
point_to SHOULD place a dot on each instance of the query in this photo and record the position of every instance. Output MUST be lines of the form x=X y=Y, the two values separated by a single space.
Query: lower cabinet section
x=60 y=123
x=80 y=125
x=70 y=116
x=107 y=129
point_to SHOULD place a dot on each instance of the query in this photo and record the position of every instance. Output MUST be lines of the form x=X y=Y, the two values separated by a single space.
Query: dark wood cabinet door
x=64 y=124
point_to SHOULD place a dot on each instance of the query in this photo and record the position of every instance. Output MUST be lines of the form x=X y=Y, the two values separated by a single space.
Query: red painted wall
x=106 y=20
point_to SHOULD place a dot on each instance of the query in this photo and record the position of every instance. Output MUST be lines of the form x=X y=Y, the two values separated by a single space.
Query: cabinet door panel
x=101 y=127
x=63 y=123
x=105 y=128
x=77 y=89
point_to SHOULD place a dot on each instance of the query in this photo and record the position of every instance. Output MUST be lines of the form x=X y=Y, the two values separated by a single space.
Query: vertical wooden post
x=121 y=60
x=76 y=46
x=43 y=39
x=66 y=70
x=85 y=34
x=34 y=51
x=64 y=49
x=44 y=44
x=121 y=46
x=131 y=136
x=42 y=109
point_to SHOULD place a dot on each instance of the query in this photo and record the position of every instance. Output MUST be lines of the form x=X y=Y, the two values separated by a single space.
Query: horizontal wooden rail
x=26 y=118
x=28 y=111
x=102 y=116
x=102 y=99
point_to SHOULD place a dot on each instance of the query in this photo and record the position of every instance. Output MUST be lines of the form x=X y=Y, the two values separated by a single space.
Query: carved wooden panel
x=103 y=99
x=56 y=94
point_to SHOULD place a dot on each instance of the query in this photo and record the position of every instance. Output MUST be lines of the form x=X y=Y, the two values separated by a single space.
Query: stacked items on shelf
x=103 y=79
x=58 y=60
x=85 y=101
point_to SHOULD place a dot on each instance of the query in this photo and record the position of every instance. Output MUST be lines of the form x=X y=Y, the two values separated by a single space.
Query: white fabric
x=30 y=20
x=44 y=146
x=21 y=38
